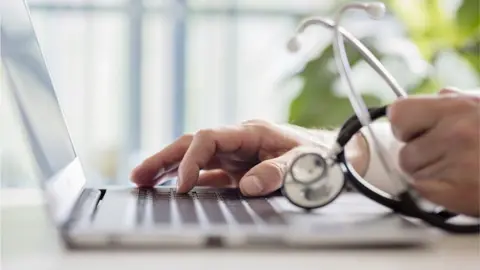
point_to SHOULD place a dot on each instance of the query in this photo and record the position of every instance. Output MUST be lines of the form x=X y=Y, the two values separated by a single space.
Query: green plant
x=318 y=105
x=427 y=25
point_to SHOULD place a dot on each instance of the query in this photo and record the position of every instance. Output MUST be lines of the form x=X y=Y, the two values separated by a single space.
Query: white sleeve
x=376 y=173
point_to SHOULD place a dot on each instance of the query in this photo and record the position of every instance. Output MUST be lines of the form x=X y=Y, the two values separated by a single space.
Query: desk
x=28 y=243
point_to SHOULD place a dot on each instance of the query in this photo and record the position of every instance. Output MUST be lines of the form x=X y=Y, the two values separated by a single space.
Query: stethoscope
x=315 y=179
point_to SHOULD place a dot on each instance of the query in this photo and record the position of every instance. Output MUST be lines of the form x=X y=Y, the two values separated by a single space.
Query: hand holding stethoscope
x=314 y=180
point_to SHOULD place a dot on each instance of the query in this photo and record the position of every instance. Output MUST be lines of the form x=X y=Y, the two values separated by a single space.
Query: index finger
x=413 y=116
x=205 y=145
x=151 y=169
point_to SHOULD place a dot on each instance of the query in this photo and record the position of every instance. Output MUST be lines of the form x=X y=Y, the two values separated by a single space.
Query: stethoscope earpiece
x=294 y=45
x=375 y=10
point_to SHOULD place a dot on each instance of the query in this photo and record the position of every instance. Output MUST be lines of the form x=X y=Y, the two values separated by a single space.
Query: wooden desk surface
x=29 y=243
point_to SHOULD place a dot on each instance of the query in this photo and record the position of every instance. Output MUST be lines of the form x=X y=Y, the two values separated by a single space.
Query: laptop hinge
x=84 y=209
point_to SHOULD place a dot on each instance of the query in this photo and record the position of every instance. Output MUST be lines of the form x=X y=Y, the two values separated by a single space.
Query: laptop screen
x=28 y=81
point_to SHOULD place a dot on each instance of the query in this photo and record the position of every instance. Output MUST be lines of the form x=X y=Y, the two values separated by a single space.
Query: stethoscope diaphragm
x=312 y=181
x=308 y=168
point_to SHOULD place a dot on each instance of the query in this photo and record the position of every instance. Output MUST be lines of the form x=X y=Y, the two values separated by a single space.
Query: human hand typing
x=252 y=156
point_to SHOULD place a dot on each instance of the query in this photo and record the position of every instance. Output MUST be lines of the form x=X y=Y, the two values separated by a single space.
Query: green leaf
x=317 y=105
x=474 y=61
x=427 y=24
x=427 y=86
x=431 y=29
x=468 y=18
x=471 y=53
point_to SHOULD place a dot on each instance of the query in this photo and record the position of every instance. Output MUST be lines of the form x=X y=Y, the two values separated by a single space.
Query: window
x=133 y=75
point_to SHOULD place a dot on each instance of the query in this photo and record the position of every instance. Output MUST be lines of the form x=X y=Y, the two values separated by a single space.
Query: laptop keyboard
x=211 y=208
x=160 y=207
x=235 y=206
x=186 y=208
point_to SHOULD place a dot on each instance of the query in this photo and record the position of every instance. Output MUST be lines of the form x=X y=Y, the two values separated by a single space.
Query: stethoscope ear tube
x=403 y=204
x=434 y=219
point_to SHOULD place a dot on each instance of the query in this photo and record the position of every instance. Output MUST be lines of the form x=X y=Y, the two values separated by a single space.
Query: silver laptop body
x=126 y=217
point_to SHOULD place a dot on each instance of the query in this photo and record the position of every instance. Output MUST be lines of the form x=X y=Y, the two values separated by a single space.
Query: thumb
x=267 y=176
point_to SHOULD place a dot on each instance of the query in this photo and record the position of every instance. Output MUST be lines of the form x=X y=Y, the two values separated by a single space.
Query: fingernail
x=252 y=185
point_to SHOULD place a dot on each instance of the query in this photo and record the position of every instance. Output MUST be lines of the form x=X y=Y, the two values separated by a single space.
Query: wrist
x=311 y=137
x=356 y=151
x=358 y=154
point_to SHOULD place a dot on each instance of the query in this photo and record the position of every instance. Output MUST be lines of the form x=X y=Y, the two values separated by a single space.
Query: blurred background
x=133 y=75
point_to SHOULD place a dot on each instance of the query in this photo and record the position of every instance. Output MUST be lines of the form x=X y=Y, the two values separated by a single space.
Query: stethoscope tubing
x=404 y=204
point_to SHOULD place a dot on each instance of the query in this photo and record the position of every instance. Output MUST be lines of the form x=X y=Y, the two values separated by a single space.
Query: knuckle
x=257 y=125
x=186 y=137
x=205 y=133
x=184 y=140
x=254 y=122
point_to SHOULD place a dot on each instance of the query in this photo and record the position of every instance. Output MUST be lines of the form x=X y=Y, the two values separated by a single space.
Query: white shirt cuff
x=376 y=173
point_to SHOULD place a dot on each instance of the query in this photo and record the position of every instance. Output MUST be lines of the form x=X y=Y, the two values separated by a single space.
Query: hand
x=252 y=156
x=442 y=148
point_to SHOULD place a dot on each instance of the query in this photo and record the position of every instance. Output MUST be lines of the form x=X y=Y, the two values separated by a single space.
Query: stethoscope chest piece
x=312 y=181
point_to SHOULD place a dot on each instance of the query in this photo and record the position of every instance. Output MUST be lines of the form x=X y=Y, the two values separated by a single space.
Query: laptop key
x=233 y=202
x=265 y=211
x=141 y=204
x=186 y=208
x=211 y=208
x=161 y=207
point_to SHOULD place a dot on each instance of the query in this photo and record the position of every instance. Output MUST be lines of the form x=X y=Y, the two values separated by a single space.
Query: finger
x=436 y=191
x=412 y=116
x=267 y=176
x=204 y=146
x=423 y=151
x=437 y=168
x=215 y=178
x=448 y=195
x=159 y=180
x=144 y=173
x=450 y=91
x=172 y=171
x=456 y=93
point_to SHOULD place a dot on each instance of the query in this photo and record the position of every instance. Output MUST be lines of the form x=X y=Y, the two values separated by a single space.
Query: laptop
x=131 y=217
